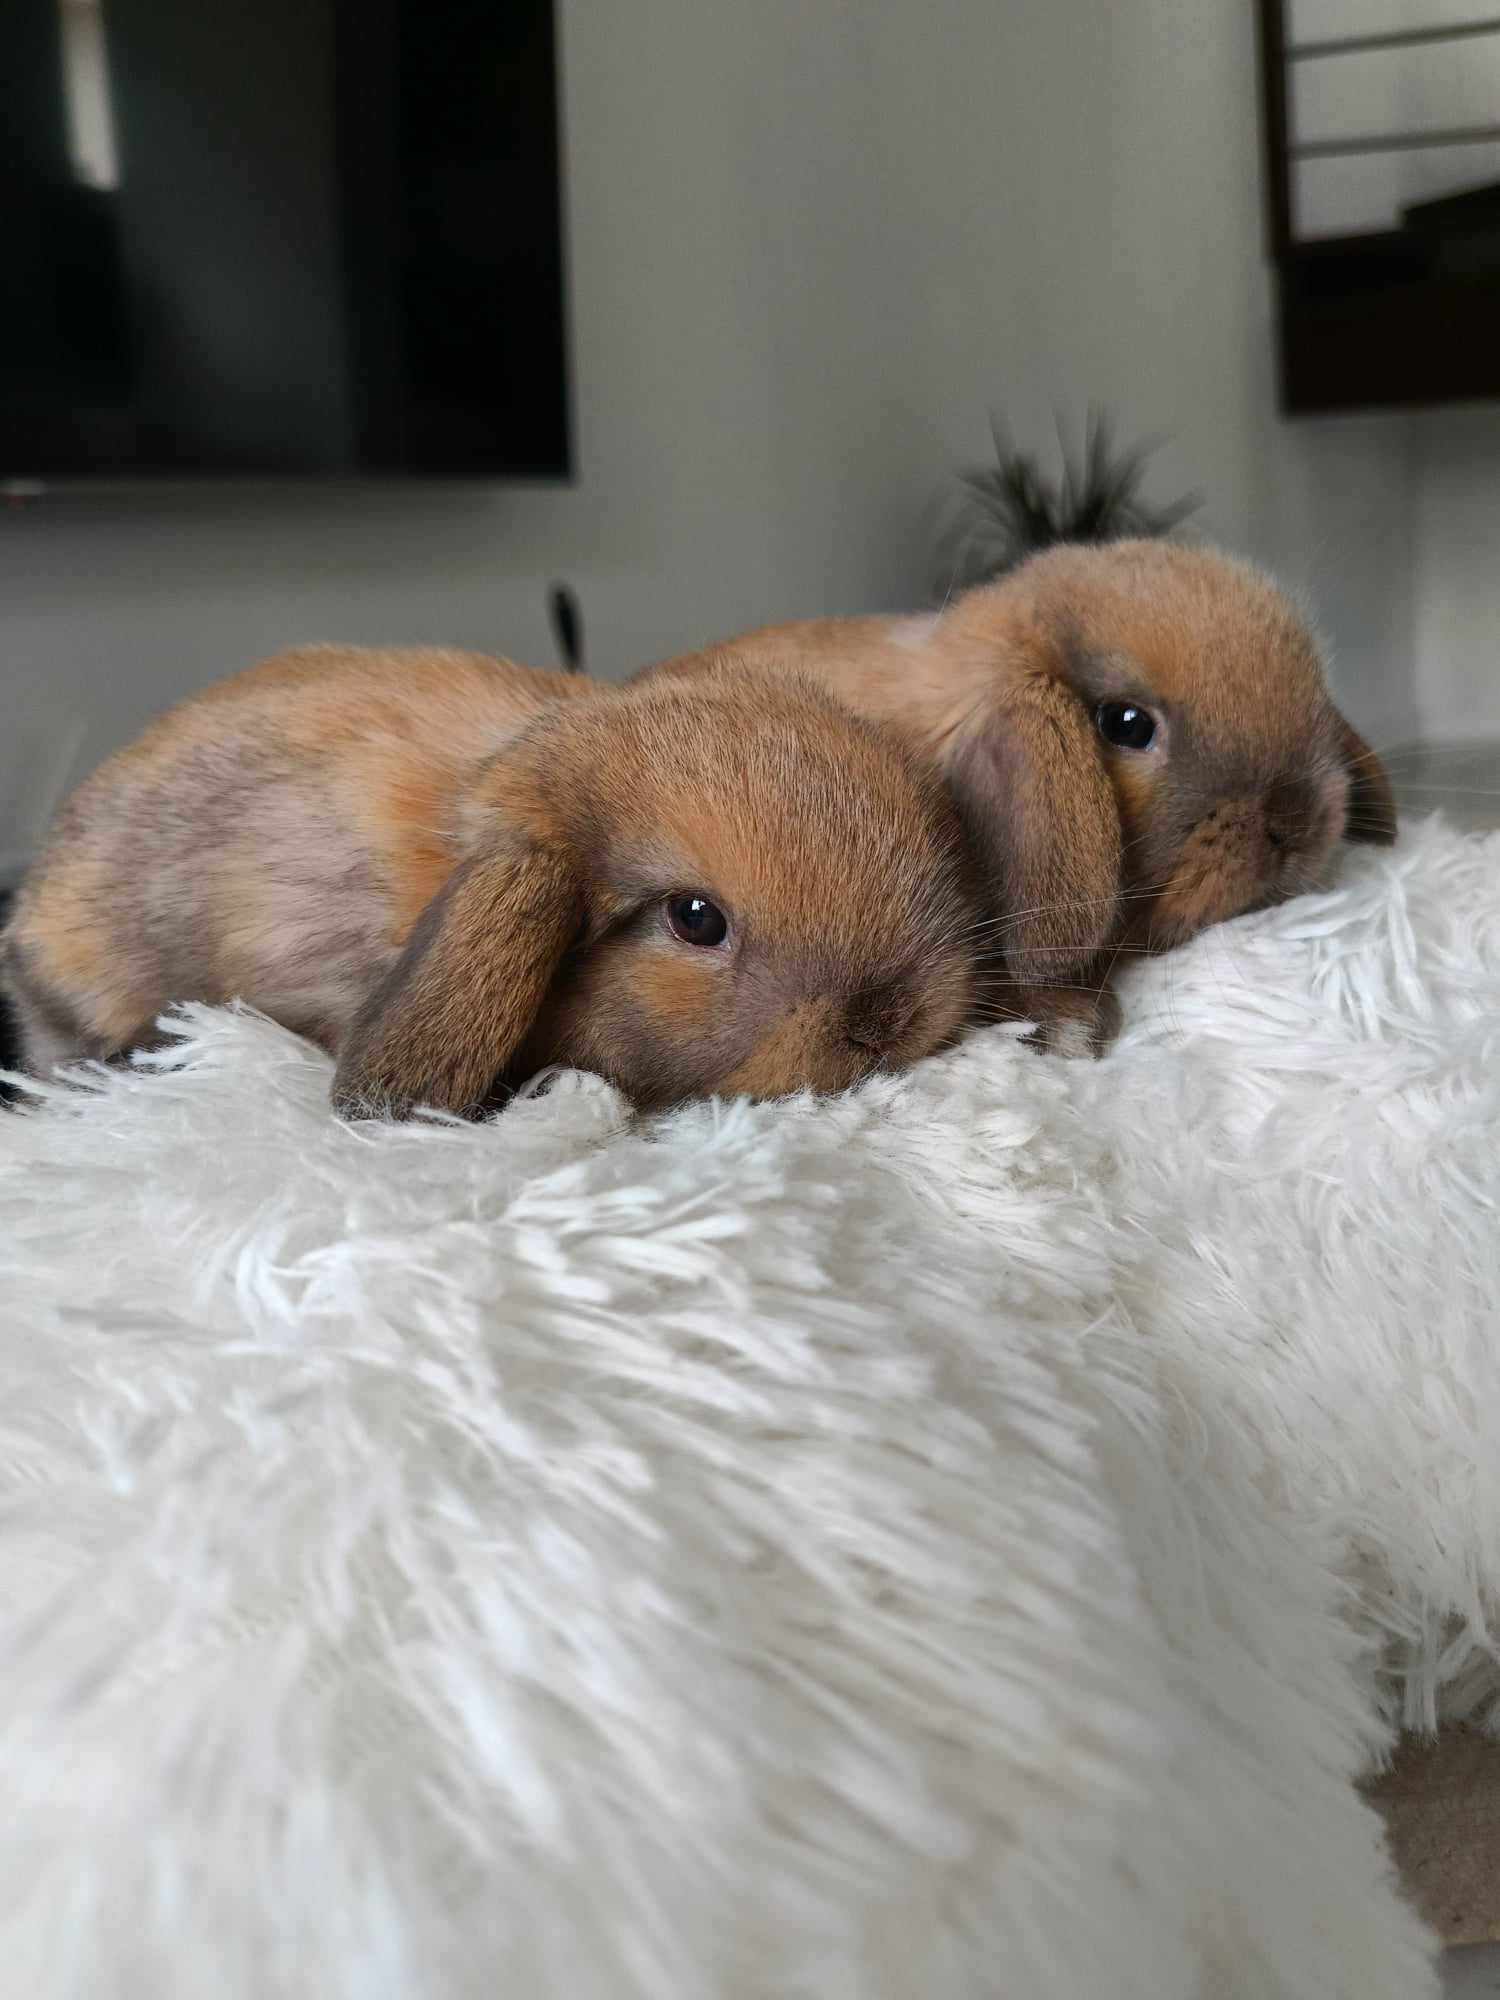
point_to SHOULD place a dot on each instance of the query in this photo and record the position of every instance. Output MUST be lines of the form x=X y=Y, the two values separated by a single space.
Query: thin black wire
x=1394 y=142
x=1394 y=38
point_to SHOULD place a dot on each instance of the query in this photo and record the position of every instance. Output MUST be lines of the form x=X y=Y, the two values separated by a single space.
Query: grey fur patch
x=47 y=1030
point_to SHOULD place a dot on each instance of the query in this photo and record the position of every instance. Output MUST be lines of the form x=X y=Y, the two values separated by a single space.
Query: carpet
x=963 y=1538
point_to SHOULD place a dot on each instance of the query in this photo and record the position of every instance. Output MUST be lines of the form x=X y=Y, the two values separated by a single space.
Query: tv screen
x=271 y=238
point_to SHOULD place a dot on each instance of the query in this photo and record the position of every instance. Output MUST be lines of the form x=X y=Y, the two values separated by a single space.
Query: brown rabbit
x=1140 y=740
x=452 y=871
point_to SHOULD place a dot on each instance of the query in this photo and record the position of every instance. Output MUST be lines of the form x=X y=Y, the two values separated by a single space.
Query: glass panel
x=1323 y=20
x=1396 y=90
x=1341 y=196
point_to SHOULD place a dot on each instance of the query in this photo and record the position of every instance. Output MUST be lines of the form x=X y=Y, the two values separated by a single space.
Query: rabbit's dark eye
x=696 y=920
x=1125 y=725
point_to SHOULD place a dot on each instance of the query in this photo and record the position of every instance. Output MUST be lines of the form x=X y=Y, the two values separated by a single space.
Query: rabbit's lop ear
x=458 y=1003
x=1030 y=782
x=1372 y=803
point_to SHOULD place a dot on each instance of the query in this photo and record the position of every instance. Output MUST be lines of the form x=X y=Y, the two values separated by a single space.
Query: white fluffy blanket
x=959 y=1540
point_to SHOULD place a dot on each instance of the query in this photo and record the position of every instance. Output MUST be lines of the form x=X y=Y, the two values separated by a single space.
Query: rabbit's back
x=273 y=838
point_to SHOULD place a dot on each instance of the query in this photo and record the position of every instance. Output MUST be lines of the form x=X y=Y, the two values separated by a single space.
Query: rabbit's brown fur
x=1088 y=849
x=449 y=869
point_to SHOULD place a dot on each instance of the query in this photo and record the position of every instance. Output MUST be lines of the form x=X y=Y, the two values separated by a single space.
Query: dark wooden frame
x=1377 y=319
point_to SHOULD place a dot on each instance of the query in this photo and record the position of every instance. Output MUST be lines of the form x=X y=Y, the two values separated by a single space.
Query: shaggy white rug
x=958 y=1540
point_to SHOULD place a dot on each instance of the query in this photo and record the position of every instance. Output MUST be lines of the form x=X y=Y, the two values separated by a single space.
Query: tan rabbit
x=452 y=871
x=1141 y=742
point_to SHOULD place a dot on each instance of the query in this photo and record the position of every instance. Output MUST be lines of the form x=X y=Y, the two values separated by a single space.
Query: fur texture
x=1089 y=845
x=962 y=1538
x=451 y=870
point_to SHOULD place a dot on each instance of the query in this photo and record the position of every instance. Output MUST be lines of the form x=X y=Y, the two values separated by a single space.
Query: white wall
x=812 y=242
x=1458 y=568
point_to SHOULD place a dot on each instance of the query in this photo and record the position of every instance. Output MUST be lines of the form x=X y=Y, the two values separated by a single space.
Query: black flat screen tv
x=280 y=239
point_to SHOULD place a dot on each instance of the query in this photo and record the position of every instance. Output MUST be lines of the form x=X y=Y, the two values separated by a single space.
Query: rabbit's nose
x=878 y=1016
x=1291 y=807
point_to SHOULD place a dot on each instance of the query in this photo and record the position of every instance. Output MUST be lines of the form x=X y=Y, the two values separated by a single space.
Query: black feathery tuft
x=567 y=626
x=1010 y=510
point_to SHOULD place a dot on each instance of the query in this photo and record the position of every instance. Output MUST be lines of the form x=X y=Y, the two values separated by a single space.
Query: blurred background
x=376 y=322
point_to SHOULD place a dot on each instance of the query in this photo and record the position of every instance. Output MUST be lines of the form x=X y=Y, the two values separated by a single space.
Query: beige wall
x=811 y=242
